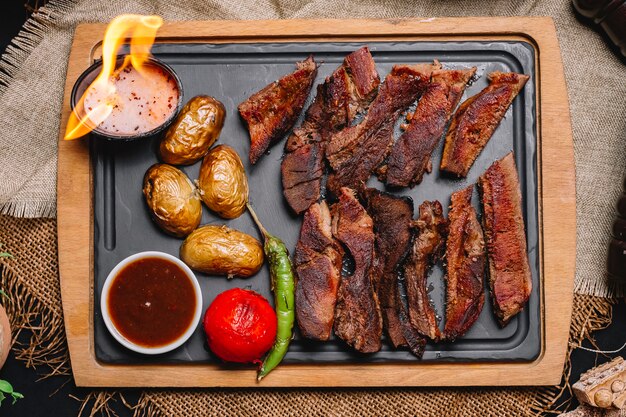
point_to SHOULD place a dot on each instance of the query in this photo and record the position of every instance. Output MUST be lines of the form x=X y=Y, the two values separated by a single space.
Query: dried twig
x=32 y=6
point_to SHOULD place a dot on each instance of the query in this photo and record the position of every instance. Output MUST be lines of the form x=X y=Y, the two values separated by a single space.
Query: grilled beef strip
x=392 y=218
x=465 y=257
x=428 y=249
x=476 y=120
x=317 y=261
x=358 y=319
x=345 y=93
x=271 y=112
x=411 y=154
x=355 y=151
x=509 y=271
x=415 y=341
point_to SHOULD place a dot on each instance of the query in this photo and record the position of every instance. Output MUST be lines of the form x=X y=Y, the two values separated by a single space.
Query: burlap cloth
x=32 y=74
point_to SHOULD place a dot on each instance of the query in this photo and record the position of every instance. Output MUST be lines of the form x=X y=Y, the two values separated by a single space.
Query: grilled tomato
x=172 y=199
x=193 y=132
x=223 y=183
x=220 y=250
x=240 y=326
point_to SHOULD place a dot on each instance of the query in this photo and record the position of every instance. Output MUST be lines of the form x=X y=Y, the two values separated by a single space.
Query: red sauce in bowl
x=151 y=302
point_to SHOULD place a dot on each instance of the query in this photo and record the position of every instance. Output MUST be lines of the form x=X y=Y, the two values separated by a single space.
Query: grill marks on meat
x=317 y=261
x=509 y=272
x=411 y=153
x=392 y=218
x=476 y=120
x=358 y=319
x=357 y=150
x=427 y=249
x=302 y=169
x=272 y=111
x=465 y=255
x=345 y=93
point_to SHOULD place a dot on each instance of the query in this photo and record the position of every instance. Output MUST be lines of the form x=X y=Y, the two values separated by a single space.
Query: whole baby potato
x=220 y=250
x=223 y=183
x=193 y=132
x=172 y=199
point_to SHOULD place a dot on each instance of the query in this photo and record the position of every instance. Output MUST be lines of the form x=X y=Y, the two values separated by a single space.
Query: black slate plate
x=231 y=73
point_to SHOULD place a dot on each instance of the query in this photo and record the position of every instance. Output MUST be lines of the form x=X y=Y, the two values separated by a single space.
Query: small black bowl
x=90 y=74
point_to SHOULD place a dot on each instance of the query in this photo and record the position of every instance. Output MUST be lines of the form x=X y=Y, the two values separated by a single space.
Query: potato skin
x=223 y=183
x=172 y=199
x=193 y=132
x=220 y=250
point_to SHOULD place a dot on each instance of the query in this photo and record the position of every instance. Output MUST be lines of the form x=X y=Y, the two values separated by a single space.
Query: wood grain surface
x=557 y=212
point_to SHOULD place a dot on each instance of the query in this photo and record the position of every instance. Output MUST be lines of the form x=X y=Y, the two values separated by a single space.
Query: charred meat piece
x=271 y=112
x=476 y=120
x=428 y=248
x=302 y=170
x=509 y=272
x=345 y=93
x=357 y=315
x=410 y=155
x=415 y=341
x=355 y=151
x=392 y=218
x=317 y=260
x=465 y=257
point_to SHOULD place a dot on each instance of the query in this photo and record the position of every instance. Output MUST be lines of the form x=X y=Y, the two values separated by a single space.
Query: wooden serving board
x=556 y=211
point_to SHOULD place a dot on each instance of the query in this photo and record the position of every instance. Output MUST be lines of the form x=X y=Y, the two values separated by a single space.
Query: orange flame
x=142 y=32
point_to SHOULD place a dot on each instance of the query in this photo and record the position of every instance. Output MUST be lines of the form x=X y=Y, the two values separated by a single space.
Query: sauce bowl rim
x=104 y=308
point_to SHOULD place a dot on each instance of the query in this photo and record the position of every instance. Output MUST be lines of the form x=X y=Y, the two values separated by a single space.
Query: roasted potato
x=223 y=183
x=172 y=199
x=193 y=132
x=220 y=250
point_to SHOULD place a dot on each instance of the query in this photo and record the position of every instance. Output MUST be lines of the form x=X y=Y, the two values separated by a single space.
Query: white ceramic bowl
x=104 y=307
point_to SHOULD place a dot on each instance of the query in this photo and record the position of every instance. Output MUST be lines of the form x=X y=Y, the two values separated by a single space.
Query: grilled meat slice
x=410 y=155
x=415 y=341
x=317 y=261
x=509 y=272
x=355 y=151
x=272 y=111
x=345 y=93
x=428 y=248
x=357 y=314
x=476 y=120
x=392 y=218
x=302 y=171
x=465 y=256
x=365 y=80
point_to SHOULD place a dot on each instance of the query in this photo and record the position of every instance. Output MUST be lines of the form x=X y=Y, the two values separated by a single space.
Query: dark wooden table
x=53 y=396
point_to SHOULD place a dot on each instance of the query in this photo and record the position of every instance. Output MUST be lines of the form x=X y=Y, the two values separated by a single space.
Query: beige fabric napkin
x=33 y=73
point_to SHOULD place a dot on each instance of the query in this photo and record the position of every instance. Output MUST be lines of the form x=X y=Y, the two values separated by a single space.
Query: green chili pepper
x=283 y=285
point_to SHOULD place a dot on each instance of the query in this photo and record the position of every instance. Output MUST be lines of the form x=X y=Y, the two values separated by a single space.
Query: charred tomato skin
x=240 y=326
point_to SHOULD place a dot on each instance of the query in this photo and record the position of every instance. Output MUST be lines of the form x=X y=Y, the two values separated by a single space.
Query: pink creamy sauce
x=144 y=101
